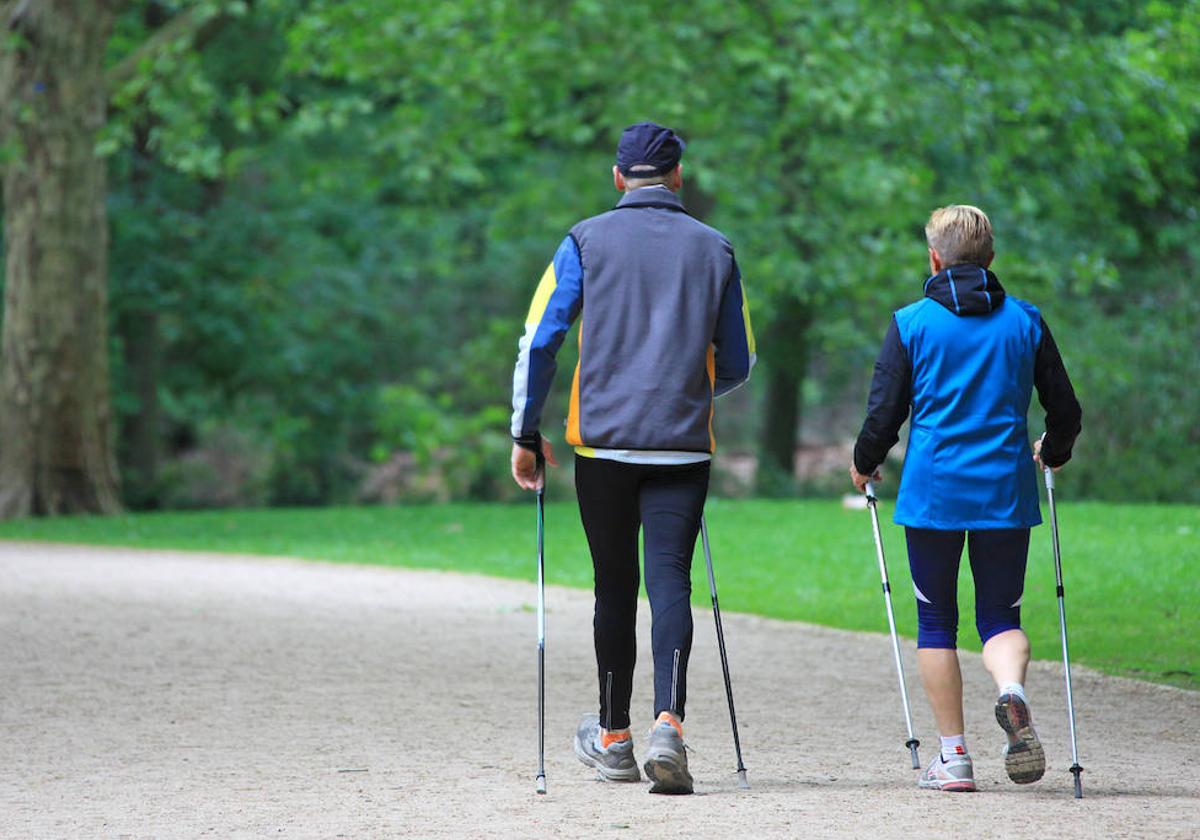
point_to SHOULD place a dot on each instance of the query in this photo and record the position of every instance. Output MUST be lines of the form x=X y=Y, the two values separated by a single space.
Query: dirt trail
x=171 y=695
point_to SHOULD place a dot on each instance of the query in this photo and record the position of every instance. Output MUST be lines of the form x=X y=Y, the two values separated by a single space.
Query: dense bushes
x=1135 y=371
x=327 y=220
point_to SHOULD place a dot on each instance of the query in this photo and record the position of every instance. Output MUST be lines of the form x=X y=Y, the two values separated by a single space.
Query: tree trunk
x=137 y=329
x=56 y=448
x=787 y=338
x=139 y=434
x=788 y=343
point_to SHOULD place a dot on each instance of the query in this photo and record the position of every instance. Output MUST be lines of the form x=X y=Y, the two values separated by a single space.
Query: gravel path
x=165 y=695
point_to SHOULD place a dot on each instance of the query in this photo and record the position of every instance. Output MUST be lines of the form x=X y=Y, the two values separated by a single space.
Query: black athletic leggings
x=615 y=499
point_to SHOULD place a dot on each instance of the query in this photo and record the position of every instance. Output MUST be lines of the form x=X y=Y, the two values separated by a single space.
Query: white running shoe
x=1024 y=758
x=955 y=775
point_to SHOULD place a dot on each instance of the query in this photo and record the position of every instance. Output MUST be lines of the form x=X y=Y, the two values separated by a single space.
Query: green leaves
x=328 y=197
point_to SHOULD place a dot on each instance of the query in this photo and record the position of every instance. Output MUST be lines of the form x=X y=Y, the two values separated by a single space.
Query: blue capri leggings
x=998 y=566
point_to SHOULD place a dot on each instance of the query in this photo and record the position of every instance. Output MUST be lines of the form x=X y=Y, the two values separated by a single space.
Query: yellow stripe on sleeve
x=541 y=298
x=574 y=435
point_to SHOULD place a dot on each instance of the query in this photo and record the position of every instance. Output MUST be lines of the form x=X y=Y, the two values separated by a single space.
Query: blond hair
x=960 y=233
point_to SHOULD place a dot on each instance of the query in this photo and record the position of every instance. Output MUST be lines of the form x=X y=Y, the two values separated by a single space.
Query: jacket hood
x=966 y=289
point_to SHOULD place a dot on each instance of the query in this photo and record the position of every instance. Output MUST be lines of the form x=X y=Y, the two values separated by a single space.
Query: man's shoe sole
x=668 y=776
x=607 y=773
x=1024 y=758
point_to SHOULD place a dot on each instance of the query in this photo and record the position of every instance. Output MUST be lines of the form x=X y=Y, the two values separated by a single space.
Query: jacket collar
x=651 y=197
x=966 y=289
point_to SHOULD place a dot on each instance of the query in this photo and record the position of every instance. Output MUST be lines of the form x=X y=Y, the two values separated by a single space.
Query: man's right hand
x=525 y=468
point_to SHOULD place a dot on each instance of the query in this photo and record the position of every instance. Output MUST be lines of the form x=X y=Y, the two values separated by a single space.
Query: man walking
x=664 y=329
x=966 y=358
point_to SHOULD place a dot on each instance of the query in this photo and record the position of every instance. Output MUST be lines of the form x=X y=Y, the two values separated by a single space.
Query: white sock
x=953 y=746
x=1015 y=688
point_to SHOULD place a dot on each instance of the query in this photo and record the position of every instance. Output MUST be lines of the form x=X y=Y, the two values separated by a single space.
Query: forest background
x=313 y=227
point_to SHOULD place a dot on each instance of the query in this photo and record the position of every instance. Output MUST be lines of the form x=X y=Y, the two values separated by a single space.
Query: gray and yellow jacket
x=664 y=330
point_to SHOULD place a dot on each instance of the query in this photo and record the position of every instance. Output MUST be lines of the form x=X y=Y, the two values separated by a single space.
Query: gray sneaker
x=614 y=764
x=666 y=759
x=957 y=774
x=1024 y=758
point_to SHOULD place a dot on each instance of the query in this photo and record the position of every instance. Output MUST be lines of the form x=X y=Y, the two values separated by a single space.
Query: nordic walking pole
x=712 y=588
x=1062 y=623
x=541 y=623
x=912 y=743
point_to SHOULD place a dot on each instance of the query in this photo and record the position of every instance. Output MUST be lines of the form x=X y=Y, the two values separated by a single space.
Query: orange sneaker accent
x=666 y=717
x=608 y=738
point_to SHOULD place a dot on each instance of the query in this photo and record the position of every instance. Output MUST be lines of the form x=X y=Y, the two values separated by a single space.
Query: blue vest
x=969 y=464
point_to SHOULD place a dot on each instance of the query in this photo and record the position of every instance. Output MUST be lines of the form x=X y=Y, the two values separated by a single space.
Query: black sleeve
x=1063 y=413
x=887 y=405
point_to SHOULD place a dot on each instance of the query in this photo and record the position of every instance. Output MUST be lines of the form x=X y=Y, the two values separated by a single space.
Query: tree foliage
x=327 y=209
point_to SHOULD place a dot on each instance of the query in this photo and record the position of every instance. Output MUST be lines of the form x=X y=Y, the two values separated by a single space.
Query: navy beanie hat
x=648 y=144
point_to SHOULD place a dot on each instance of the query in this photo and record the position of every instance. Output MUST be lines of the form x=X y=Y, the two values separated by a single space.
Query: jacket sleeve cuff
x=1052 y=456
x=531 y=441
x=859 y=462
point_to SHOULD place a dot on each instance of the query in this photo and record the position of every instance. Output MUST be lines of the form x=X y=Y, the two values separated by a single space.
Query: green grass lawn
x=1132 y=572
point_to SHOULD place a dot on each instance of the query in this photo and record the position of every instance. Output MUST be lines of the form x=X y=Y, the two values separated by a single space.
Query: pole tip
x=742 y=782
x=912 y=745
x=1075 y=771
x=541 y=785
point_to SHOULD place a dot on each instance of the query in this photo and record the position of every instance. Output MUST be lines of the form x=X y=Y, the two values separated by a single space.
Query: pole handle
x=871 y=497
x=1046 y=471
x=540 y=467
